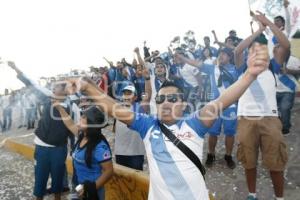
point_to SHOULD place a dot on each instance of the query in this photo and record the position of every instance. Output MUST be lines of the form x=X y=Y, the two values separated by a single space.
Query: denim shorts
x=228 y=120
x=49 y=161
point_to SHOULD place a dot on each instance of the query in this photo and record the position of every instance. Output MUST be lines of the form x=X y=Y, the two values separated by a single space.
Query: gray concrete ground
x=17 y=177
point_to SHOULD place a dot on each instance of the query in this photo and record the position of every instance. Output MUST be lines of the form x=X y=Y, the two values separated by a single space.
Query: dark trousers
x=49 y=161
x=7 y=119
x=135 y=162
x=285 y=102
x=30 y=117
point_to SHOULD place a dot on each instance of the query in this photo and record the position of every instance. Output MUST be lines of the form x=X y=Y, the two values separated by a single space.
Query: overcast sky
x=47 y=37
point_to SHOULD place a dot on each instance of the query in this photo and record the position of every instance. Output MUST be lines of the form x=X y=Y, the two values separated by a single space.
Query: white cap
x=129 y=88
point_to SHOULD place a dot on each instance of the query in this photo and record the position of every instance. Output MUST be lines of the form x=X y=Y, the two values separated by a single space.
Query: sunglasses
x=172 y=98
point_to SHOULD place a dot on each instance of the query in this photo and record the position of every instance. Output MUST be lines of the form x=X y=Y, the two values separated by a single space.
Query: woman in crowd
x=92 y=156
x=207 y=56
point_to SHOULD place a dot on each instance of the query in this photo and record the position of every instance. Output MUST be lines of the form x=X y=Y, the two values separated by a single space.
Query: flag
x=273 y=8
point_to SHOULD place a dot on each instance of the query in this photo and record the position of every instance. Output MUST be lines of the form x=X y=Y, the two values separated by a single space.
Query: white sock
x=279 y=198
x=252 y=194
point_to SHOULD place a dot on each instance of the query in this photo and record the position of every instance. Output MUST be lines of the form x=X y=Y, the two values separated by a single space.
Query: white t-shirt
x=189 y=74
x=210 y=61
x=293 y=64
x=260 y=98
x=128 y=142
x=172 y=174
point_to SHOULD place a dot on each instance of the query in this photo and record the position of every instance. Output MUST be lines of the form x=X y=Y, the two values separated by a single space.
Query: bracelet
x=147 y=78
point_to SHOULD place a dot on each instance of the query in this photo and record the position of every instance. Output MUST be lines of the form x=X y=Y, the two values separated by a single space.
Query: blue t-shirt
x=100 y=154
x=139 y=84
x=174 y=71
x=283 y=80
x=214 y=51
x=214 y=72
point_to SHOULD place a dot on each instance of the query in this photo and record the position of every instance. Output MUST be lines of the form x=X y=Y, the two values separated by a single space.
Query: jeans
x=30 y=117
x=135 y=162
x=7 y=119
x=285 y=102
x=49 y=161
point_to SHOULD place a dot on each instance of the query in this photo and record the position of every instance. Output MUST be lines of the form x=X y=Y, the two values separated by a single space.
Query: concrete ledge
x=126 y=183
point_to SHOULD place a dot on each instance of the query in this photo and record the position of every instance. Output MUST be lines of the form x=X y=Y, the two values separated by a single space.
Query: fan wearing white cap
x=129 y=147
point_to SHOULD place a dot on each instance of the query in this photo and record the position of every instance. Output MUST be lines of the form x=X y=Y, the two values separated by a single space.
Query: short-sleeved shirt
x=127 y=141
x=214 y=51
x=285 y=82
x=189 y=74
x=214 y=72
x=174 y=71
x=172 y=174
x=260 y=97
x=100 y=154
x=139 y=84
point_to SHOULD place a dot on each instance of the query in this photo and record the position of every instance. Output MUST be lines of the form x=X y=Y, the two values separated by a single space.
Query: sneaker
x=250 y=197
x=230 y=163
x=210 y=160
x=285 y=132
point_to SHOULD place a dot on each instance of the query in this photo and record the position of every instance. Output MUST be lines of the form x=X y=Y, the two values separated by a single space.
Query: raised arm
x=221 y=44
x=138 y=54
x=257 y=62
x=109 y=62
x=154 y=54
x=67 y=120
x=148 y=88
x=282 y=39
x=287 y=18
x=238 y=51
x=106 y=103
x=194 y=63
x=42 y=92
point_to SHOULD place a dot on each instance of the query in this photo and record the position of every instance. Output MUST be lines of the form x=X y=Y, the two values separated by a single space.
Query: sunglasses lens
x=172 y=98
x=160 y=99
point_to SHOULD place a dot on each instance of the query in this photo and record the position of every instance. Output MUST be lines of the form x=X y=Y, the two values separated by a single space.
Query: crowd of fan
x=201 y=72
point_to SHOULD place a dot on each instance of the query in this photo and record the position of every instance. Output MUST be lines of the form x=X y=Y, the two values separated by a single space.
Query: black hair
x=206 y=37
x=93 y=133
x=261 y=39
x=94 y=136
x=281 y=18
x=171 y=84
x=232 y=31
x=209 y=50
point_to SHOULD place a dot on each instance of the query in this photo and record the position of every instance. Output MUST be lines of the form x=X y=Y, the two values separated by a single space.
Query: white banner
x=273 y=8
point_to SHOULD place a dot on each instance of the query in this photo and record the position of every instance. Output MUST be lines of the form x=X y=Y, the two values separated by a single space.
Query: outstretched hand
x=286 y=3
x=79 y=84
x=262 y=18
x=136 y=50
x=12 y=65
x=261 y=27
x=258 y=60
